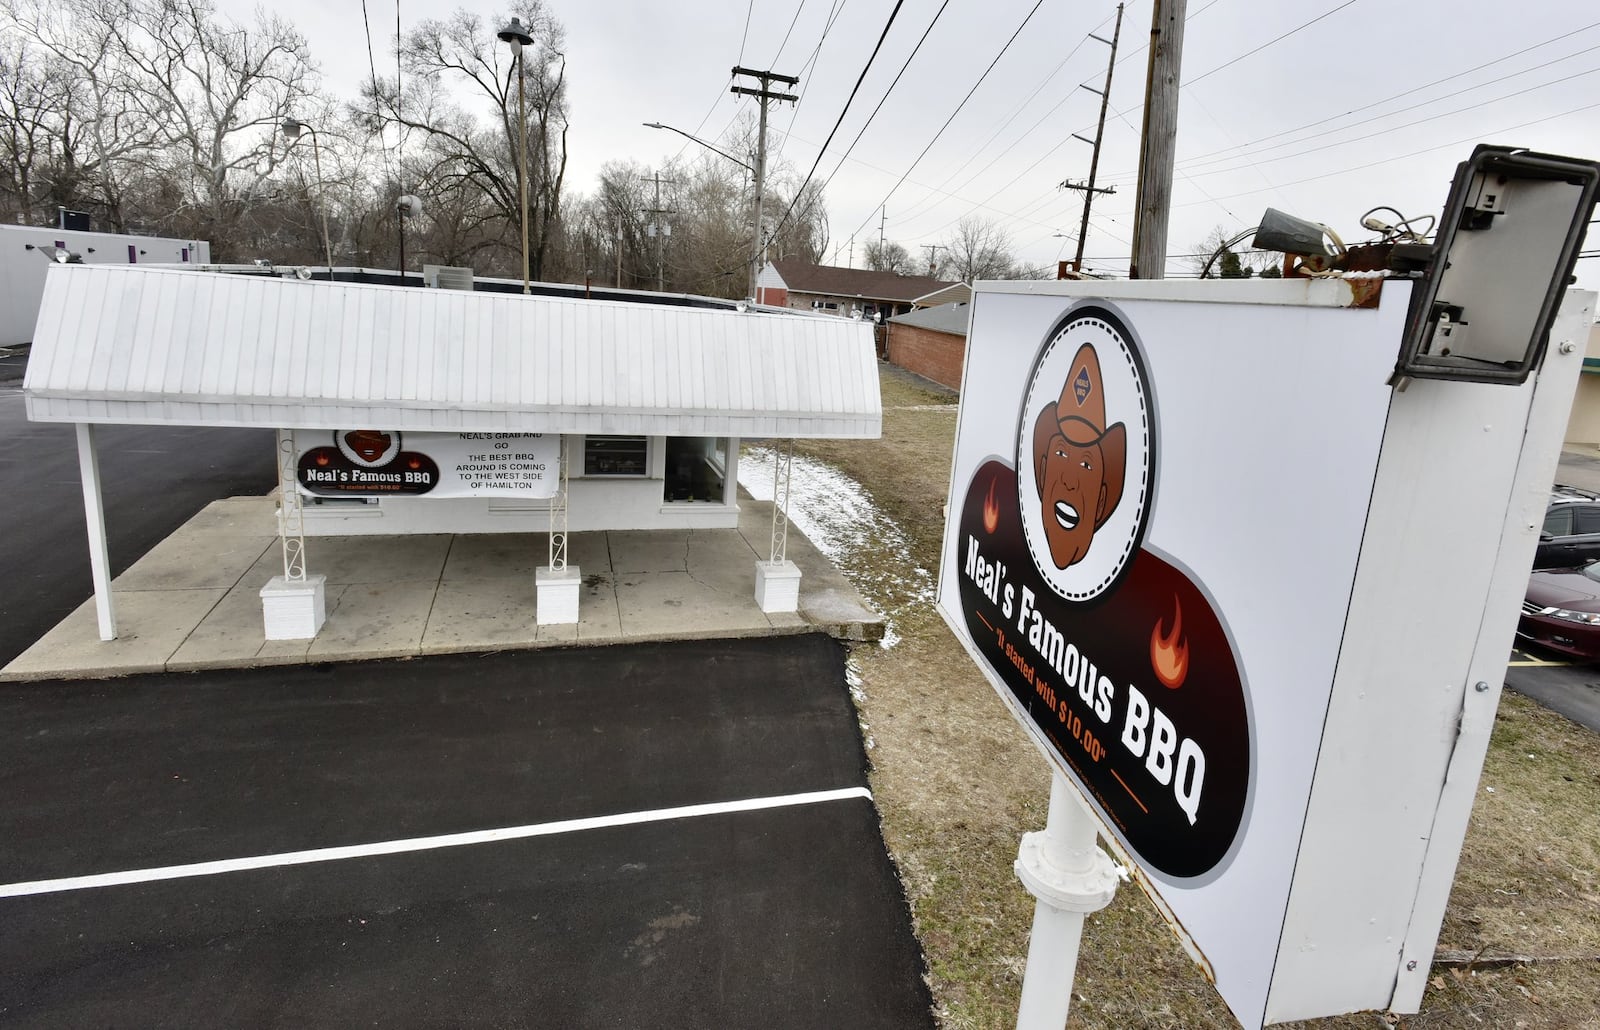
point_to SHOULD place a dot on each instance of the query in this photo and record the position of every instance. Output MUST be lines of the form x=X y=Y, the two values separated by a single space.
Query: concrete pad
x=377 y=620
x=193 y=561
x=243 y=516
x=665 y=550
x=391 y=596
x=481 y=613
x=598 y=615
x=676 y=604
x=828 y=600
x=492 y=555
x=230 y=636
x=151 y=625
x=591 y=552
x=376 y=559
x=560 y=633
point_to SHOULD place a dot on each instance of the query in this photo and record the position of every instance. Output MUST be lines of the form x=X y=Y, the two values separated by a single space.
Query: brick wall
x=928 y=353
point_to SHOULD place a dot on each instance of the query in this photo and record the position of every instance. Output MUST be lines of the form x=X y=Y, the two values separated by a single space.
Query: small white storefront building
x=407 y=410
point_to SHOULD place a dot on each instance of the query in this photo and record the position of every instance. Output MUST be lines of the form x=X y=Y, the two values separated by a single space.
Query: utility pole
x=1088 y=188
x=764 y=95
x=883 y=216
x=933 y=263
x=659 y=229
x=1158 y=141
x=619 y=252
x=850 y=255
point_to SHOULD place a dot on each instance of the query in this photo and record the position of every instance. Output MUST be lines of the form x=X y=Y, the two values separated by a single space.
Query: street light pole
x=703 y=143
x=292 y=128
x=518 y=37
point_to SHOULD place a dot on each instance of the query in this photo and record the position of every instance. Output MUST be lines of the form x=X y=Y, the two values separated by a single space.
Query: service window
x=1587 y=520
x=1558 y=522
x=697 y=467
x=616 y=456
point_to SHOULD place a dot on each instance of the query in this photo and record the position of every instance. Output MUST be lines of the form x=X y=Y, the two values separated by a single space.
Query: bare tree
x=889 y=256
x=461 y=52
x=977 y=249
x=215 y=92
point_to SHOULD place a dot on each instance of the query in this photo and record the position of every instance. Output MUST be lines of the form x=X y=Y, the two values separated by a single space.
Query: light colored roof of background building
x=150 y=346
x=946 y=318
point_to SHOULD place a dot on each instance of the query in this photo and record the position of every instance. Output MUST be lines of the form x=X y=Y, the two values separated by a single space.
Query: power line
x=917 y=207
x=792 y=23
x=1032 y=11
x=1470 y=108
x=840 y=121
x=1475 y=106
x=1475 y=137
x=1416 y=89
x=868 y=123
x=827 y=26
x=748 y=10
x=1050 y=193
x=1268 y=43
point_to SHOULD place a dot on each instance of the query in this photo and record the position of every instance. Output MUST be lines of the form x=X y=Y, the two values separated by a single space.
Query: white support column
x=778 y=550
x=293 y=605
x=555 y=586
x=1062 y=867
x=778 y=578
x=291 y=515
x=94 y=515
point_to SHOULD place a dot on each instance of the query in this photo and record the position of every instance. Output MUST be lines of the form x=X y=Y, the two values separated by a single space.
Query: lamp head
x=515 y=34
x=408 y=206
x=292 y=128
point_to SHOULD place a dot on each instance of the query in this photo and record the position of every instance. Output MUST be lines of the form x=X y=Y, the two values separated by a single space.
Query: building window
x=697 y=468
x=615 y=456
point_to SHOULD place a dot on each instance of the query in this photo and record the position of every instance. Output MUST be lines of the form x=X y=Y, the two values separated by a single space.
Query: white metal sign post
x=1185 y=519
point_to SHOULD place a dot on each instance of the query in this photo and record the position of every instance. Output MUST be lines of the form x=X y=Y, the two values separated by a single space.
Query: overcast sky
x=1360 y=103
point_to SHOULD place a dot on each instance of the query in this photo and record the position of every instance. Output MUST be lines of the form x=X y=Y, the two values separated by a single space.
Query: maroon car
x=1562 y=611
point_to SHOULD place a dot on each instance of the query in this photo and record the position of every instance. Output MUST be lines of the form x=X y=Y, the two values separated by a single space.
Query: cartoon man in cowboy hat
x=1078 y=462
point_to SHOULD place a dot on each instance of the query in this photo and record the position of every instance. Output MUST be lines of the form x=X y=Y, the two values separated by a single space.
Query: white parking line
x=448 y=840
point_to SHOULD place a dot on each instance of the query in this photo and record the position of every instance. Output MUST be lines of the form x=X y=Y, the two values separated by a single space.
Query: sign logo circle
x=1086 y=453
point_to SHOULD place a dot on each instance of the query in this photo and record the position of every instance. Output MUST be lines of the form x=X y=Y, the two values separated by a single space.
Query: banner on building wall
x=1155 y=515
x=386 y=463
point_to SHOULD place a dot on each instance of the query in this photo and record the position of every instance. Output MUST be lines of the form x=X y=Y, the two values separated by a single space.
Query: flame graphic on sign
x=991 y=510
x=1169 y=655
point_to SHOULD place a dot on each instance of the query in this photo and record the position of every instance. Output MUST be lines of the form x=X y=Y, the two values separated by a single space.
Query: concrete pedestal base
x=778 y=586
x=294 y=610
x=555 y=595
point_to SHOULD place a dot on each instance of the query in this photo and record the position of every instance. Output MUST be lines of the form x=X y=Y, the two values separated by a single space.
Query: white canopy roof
x=142 y=345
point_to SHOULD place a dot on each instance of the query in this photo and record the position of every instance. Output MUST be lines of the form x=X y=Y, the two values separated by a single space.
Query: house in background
x=932 y=342
x=831 y=290
x=1583 y=425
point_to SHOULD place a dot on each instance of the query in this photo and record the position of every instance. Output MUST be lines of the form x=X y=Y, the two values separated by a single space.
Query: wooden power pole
x=659 y=229
x=764 y=95
x=1156 y=147
x=1088 y=188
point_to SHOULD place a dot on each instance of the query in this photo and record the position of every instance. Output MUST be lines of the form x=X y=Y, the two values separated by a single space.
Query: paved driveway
x=154 y=478
x=621 y=889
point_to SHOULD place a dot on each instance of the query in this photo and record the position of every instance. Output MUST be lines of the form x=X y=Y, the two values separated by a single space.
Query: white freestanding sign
x=1252 y=601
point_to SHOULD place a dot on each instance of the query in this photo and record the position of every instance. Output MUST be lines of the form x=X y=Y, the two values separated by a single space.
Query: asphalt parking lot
x=1562 y=685
x=666 y=835
x=577 y=891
